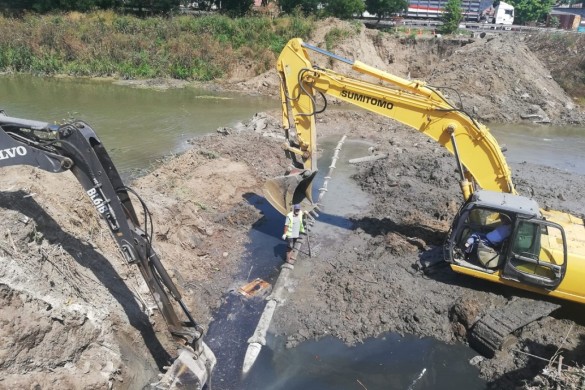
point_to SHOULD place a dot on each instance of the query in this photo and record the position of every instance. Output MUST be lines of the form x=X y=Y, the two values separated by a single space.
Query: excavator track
x=494 y=331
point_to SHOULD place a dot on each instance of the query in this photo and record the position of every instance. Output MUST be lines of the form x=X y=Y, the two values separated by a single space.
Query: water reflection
x=388 y=362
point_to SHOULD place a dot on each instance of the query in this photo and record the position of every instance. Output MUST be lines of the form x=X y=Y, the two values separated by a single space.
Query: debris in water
x=254 y=287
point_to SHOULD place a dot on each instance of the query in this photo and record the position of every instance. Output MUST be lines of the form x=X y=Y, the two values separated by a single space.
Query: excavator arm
x=75 y=146
x=413 y=103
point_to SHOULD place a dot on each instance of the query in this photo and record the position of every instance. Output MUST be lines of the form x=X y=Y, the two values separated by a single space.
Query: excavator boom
x=75 y=146
x=411 y=102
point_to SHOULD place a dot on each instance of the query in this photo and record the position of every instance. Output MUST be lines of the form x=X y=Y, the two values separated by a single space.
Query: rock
x=474 y=361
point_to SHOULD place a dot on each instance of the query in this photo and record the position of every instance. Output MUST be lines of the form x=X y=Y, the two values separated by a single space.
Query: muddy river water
x=139 y=126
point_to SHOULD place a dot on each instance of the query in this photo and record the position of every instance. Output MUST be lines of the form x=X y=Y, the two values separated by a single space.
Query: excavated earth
x=74 y=315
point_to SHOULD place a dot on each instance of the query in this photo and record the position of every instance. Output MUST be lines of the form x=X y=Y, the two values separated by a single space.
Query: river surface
x=558 y=147
x=139 y=126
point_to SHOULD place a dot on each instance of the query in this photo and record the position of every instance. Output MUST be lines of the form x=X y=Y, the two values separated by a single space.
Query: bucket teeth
x=295 y=188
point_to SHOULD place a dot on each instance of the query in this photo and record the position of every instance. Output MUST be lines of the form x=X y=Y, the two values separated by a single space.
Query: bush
x=336 y=35
x=107 y=44
x=452 y=17
x=345 y=9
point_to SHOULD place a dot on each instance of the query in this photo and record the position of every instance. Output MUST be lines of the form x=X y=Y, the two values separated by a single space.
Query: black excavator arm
x=75 y=146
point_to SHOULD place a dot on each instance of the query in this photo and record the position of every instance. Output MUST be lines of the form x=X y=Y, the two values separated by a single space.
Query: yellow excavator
x=545 y=249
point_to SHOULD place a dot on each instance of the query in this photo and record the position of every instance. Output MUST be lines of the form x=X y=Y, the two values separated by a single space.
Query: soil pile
x=496 y=78
x=74 y=315
x=561 y=55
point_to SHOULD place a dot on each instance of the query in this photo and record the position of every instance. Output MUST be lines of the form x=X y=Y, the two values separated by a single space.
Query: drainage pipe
x=258 y=339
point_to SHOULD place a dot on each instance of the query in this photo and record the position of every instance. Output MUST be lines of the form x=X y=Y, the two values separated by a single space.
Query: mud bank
x=63 y=279
x=74 y=314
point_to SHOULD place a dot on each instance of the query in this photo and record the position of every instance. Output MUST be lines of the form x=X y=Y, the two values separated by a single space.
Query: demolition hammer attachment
x=293 y=188
x=74 y=146
x=191 y=370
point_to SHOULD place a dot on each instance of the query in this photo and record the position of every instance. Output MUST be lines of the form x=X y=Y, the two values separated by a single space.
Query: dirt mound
x=62 y=289
x=500 y=79
x=561 y=55
x=496 y=78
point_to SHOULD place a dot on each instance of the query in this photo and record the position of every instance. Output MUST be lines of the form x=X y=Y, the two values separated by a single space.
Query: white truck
x=490 y=11
x=499 y=13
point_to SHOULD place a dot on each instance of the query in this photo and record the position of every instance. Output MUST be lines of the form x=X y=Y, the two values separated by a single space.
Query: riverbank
x=240 y=53
x=74 y=313
x=84 y=318
x=107 y=44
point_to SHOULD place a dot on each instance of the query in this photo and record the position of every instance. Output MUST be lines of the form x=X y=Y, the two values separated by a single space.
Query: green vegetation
x=108 y=44
x=527 y=11
x=385 y=8
x=452 y=17
x=344 y=9
x=307 y=7
x=43 y=6
x=336 y=35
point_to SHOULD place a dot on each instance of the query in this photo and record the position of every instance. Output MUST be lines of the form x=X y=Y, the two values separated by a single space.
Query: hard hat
x=297 y=207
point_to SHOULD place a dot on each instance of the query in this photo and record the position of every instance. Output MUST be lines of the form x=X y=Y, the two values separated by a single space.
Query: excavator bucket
x=295 y=188
x=191 y=370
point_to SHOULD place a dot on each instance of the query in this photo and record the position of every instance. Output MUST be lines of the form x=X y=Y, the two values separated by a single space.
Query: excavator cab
x=538 y=254
x=534 y=254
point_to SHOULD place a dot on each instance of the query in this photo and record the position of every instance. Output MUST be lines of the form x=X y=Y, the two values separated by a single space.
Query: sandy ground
x=74 y=315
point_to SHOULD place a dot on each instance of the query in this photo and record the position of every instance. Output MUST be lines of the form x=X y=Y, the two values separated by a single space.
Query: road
x=434 y=24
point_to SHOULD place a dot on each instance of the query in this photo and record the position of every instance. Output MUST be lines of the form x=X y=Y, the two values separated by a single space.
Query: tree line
x=526 y=10
x=343 y=9
x=46 y=6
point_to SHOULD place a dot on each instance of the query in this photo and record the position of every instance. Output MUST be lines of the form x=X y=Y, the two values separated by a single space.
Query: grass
x=336 y=35
x=108 y=44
